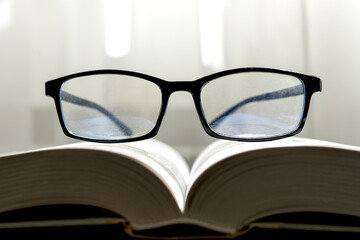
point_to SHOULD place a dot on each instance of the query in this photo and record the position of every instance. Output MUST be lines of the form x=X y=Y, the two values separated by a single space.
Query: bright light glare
x=211 y=33
x=5 y=13
x=117 y=19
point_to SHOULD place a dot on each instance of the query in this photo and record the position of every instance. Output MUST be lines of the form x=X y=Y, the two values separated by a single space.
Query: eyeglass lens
x=253 y=105
x=111 y=107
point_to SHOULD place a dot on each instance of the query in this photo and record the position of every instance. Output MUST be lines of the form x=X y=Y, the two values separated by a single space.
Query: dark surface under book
x=116 y=231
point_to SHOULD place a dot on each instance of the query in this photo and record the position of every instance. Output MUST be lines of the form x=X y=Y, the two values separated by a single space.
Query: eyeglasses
x=245 y=104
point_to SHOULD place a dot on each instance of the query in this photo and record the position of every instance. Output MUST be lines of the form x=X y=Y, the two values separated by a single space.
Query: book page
x=157 y=156
x=133 y=180
x=222 y=149
x=233 y=184
x=167 y=157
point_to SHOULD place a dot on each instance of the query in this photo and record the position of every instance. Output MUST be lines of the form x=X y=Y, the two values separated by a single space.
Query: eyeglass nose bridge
x=192 y=87
x=186 y=86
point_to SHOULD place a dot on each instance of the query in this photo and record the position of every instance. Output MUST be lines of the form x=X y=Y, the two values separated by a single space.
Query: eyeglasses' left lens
x=110 y=106
x=253 y=105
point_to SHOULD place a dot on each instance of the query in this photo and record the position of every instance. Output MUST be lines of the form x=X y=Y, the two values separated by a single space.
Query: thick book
x=150 y=190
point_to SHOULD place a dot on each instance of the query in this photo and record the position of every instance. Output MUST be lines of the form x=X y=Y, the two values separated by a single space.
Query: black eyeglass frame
x=312 y=84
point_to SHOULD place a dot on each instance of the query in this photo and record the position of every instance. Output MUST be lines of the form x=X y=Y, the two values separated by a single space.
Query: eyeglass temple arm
x=68 y=97
x=283 y=93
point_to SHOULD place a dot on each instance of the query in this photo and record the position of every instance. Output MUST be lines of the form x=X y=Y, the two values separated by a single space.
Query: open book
x=230 y=187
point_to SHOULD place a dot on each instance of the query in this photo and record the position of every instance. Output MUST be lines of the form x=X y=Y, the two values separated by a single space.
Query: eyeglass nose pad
x=200 y=113
x=164 y=104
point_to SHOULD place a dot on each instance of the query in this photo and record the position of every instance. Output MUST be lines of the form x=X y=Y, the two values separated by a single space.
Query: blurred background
x=176 y=40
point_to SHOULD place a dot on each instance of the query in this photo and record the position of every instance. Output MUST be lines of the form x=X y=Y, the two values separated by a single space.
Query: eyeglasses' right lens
x=253 y=105
x=110 y=106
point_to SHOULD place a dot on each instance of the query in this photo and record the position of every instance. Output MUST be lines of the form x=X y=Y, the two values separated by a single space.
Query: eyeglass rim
x=311 y=83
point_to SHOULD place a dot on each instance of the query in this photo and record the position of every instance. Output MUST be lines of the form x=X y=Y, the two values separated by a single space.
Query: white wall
x=334 y=54
x=41 y=40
